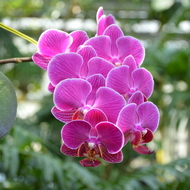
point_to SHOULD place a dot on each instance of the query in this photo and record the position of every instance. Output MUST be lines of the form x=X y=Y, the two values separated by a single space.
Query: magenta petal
x=142 y=150
x=137 y=98
x=114 y=32
x=52 y=42
x=67 y=151
x=99 y=13
x=102 y=45
x=79 y=37
x=41 y=60
x=63 y=66
x=71 y=93
x=118 y=79
x=64 y=116
x=143 y=81
x=96 y=82
x=101 y=25
x=75 y=133
x=98 y=65
x=148 y=115
x=111 y=158
x=110 y=102
x=128 y=45
x=51 y=88
x=87 y=52
x=136 y=137
x=110 y=136
x=95 y=116
x=127 y=118
x=90 y=163
x=130 y=61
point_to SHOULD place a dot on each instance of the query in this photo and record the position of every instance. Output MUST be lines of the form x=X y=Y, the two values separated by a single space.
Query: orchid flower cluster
x=99 y=91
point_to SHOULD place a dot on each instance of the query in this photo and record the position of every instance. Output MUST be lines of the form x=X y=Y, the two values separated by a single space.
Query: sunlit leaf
x=8 y=105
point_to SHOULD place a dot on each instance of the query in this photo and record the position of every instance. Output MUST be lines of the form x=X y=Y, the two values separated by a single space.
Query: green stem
x=18 y=33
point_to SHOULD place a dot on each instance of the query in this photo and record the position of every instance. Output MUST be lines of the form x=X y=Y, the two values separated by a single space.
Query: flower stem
x=16 y=60
x=18 y=33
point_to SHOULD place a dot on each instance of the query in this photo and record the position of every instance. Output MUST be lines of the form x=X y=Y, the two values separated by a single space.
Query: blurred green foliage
x=29 y=155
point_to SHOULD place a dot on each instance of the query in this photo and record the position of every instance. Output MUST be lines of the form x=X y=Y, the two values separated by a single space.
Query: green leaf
x=8 y=105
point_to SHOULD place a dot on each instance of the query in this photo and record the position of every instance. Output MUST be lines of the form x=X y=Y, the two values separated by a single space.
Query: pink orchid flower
x=113 y=46
x=73 y=98
x=138 y=122
x=93 y=138
x=53 y=42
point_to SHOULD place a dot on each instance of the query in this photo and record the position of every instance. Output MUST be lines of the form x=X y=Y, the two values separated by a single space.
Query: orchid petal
x=127 y=118
x=148 y=115
x=52 y=42
x=110 y=102
x=96 y=82
x=110 y=136
x=51 y=88
x=137 y=98
x=75 y=133
x=63 y=66
x=142 y=150
x=130 y=61
x=136 y=138
x=79 y=37
x=111 y=158
x=114 y=32
x=41 y=60
x=143 y=81
x=99 y=65
x=102 y=45
x=64 y=116
x=87 y=52
x=148 y=137
x=118 y=79
x=67 y=151
x=99 y=13
x=101 y=25
x=95 y=116
x=71 y=93
x=90 y=163
x=128 y=45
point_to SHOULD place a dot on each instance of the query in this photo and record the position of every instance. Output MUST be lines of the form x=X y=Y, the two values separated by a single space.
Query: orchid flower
x=73 y=98
x=53 y=42
x=127 y=81
x=103 y=21
x=138 y=122
x=113 y=46
x=94 y=138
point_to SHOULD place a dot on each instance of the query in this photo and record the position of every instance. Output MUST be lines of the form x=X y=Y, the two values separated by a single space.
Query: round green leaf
x=8 y=105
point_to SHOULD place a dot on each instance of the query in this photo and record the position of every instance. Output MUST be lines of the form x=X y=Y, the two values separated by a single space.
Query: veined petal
x=130 y=62
x=64 y=116
x=90 y=163
x=63 y=66
x=110 y=102
x=143 y=81
x=111 y=158
x=79 y=37
x=71 y=93
x=114 y=32
x=52 y=42
x=75 y=133
x=101 y=25
x=99 y=13
x=98 y=65
x=127 y=118
x=95 y=116
x=110 y=136
x=137 y=98
x=87 y=52
x=142 y=149
x=67 y=151
x=41 y=60
x=148 y=115
x=118 y=79
x=128 y=45
x=102 y=46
